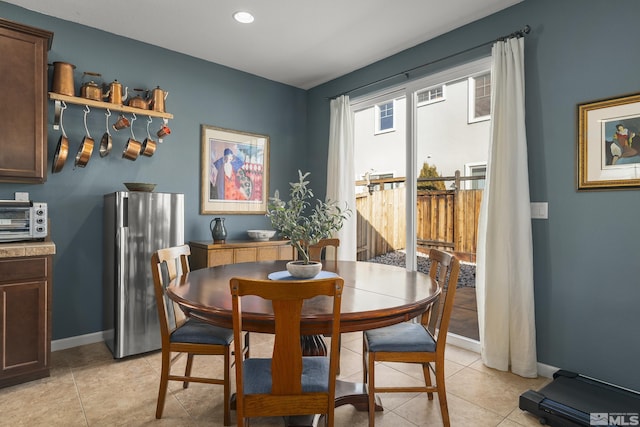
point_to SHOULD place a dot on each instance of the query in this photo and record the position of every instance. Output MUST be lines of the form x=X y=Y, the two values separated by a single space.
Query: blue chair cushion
x=198 y=332
x=257 y=375
x=402 y=337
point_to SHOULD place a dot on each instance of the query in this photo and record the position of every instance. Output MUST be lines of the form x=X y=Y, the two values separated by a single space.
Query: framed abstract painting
x=234 y=171
x=609 y=143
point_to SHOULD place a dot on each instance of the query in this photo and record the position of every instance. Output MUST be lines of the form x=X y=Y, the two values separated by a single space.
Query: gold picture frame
x=234 y=171
x=609 y=144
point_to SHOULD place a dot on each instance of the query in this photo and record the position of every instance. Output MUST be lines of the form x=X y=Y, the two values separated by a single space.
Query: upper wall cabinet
x=23 y=102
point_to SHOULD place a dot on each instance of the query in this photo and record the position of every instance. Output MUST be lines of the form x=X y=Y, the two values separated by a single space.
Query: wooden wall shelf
x=58 y=98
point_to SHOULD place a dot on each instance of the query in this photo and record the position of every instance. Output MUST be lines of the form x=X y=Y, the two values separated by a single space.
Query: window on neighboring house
x=430 y=96
x=479 y=98
x=475 y=169
x=384 y=117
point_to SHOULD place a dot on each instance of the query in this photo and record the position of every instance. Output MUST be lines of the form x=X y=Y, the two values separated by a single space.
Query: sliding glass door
x=420 y=157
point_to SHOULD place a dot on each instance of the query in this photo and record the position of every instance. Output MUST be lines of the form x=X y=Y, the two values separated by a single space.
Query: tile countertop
x=22 y=249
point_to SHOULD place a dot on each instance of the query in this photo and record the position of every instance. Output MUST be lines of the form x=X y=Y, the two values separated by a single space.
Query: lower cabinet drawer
x=13 y=269
x=245 y=255
x=268 y=254
x=220 y=257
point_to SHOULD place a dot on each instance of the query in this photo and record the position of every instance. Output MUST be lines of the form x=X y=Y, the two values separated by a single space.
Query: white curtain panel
x=341 y=173
x=504 y=282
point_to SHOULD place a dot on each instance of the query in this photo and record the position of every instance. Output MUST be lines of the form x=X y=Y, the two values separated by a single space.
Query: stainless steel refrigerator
x=135 y=225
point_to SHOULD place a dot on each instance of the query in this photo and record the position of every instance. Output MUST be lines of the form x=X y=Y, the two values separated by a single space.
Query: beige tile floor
x=87 y=387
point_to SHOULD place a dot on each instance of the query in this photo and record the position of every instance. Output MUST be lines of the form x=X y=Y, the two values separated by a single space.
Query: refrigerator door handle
x=122 y=251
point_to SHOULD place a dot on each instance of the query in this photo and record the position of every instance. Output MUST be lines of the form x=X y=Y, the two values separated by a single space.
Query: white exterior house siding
x=445 y=138
x=382 y=152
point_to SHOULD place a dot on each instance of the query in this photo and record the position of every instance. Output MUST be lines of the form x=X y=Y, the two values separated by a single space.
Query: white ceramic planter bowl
x=304 y=271
x=261 y=235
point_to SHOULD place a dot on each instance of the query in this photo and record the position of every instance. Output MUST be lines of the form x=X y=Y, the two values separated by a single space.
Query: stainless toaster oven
x=22 y=220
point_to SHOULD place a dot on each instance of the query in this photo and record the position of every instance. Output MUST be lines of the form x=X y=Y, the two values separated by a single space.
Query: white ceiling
x=301 y=43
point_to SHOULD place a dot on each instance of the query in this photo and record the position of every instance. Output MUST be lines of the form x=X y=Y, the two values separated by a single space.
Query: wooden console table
x=208 y=254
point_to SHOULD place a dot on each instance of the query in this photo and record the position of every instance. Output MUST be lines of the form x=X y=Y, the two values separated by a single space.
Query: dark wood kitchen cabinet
x=25 y=318
x=23 y=105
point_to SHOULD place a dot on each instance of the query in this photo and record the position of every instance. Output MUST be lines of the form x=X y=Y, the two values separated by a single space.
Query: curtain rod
x=519 y=33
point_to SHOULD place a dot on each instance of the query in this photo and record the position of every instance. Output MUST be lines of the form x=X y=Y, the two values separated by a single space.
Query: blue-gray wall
x=199 y=93
x=587 y=254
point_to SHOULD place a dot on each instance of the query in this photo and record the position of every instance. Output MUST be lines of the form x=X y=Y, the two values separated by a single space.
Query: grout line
x=75 y=384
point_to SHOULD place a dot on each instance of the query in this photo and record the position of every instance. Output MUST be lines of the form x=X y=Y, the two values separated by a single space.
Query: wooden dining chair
x=181 y=334
x=316 y=251
x=422 y=342
x=286 y=384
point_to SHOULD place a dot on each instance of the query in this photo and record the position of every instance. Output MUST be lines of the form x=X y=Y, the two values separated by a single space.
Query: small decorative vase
x=300 y=270
x=218 y=230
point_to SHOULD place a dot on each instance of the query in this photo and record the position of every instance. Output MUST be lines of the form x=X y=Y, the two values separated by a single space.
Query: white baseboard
x=463 y=342
x=546 y=371
x=77 y=341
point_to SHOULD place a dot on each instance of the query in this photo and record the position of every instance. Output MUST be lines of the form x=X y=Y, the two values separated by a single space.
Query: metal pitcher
x=115 y=94
x=63 y=78
x=157 y=99
x=218 y=230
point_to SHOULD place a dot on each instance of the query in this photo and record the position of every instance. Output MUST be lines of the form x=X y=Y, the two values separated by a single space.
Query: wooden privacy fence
x=446 y=219
x=381 y=222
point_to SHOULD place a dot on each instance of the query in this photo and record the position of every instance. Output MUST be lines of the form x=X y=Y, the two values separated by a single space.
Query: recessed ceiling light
x=243 y=17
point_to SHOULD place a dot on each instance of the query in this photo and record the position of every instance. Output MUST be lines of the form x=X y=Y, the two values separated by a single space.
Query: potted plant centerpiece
x=303 y=224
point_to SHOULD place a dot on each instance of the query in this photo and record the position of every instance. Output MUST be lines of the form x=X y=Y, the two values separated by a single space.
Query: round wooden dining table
x=374 y=295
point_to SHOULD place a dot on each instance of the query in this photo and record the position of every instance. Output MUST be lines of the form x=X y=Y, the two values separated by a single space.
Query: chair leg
x=164 y=381
x=364 y=362
x=339 y=351
x=442 y=394
x=227 y=387
x=187 y=370
x=426 y=371
x=241 y=420
x=371 y=390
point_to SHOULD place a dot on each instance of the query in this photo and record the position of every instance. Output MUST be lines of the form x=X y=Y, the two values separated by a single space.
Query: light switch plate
x=539 y=210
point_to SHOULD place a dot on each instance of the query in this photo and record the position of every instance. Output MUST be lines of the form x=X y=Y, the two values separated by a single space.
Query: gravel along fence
x=467 y=276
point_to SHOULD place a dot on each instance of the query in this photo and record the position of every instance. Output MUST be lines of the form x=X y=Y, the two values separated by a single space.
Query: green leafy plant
x=301 y=223
x=429 y=171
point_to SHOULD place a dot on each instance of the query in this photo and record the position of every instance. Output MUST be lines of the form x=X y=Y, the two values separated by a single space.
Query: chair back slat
x=286 y=365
